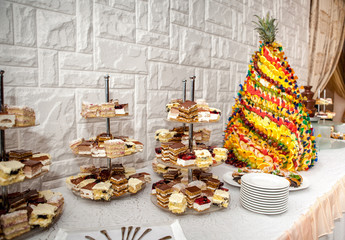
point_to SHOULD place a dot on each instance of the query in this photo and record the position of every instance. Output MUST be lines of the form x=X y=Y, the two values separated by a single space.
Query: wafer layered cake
x=119 y=184
x=163 y=192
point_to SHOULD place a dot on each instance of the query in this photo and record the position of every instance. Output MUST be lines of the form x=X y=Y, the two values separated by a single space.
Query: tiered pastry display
x=183 y=158
x=323 y=103
x=22 y=212
x=269 y=125
x=106 y=183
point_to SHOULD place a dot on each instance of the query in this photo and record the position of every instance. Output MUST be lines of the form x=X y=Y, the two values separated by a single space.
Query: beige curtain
x=337 y=81
x=326 y=38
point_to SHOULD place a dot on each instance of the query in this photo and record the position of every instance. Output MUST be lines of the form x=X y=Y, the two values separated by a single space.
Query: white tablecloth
x=232 y=223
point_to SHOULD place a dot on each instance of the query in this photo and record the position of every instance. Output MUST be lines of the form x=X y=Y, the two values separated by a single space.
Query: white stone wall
x=56 y=52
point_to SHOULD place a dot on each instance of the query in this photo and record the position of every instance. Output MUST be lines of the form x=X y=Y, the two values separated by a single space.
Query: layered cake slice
x=213 y=184
x=203 y=158
x=19 y=154
x=220 y=154
x=11 y=172
x=221 y=198
x=119 y=184
x=97 y=151
x=201 y=204
x=215 y=114
x=129 y=148
x=83 y=183
x=87 y=192
x=163 y=191
x=53 y=198
x=24 y=116
x=192 y=193
x=177 y=203
x=121 y=109
x=7 y=120
x=186 y=159
x=43 y=158
x=15 y=224
x=32 y=168
x=134 y=185
x=103 y=190
x=42 y=214
x=175 y=149
x=114 y=148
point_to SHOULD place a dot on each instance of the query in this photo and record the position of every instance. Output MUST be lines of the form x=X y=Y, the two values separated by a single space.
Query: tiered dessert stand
x=109 y=160
x=190 y=148
x=5 y=188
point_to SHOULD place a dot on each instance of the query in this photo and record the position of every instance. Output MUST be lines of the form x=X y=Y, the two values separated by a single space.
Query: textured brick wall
x=56 y=52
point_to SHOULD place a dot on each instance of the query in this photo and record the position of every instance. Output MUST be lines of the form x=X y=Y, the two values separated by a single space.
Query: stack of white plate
x=264 y=193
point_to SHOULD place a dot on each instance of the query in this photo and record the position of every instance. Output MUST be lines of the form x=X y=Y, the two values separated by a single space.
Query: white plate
x=264 y=212
x=263 y=205
x=267 y=181
x=158 y=231
x=263 y=196
x=227 y=177
x=264 y=200
x=259 y=192
x=263 y=208
x=267 y=191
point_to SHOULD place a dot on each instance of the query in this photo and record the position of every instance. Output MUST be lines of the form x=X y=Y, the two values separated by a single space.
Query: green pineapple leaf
x=267 y=28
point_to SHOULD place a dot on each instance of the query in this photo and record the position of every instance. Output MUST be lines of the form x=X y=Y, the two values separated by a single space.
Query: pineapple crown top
x=267 y=28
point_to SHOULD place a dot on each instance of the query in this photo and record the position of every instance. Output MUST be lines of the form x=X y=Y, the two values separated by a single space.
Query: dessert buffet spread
x=15 y=116
x=105 y=110
x=23 y=164
x=192 y=112
x=30 y=210
x=105 y=145
x=104 y=184
x=269 y=125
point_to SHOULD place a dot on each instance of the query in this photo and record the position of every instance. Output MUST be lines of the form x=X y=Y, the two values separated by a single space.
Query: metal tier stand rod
x=184 y=97
x=4 y=189
x=190 y=171
x=106 y=79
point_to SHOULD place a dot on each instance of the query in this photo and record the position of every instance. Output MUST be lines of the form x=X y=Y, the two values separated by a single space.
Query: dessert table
x=232 y=223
